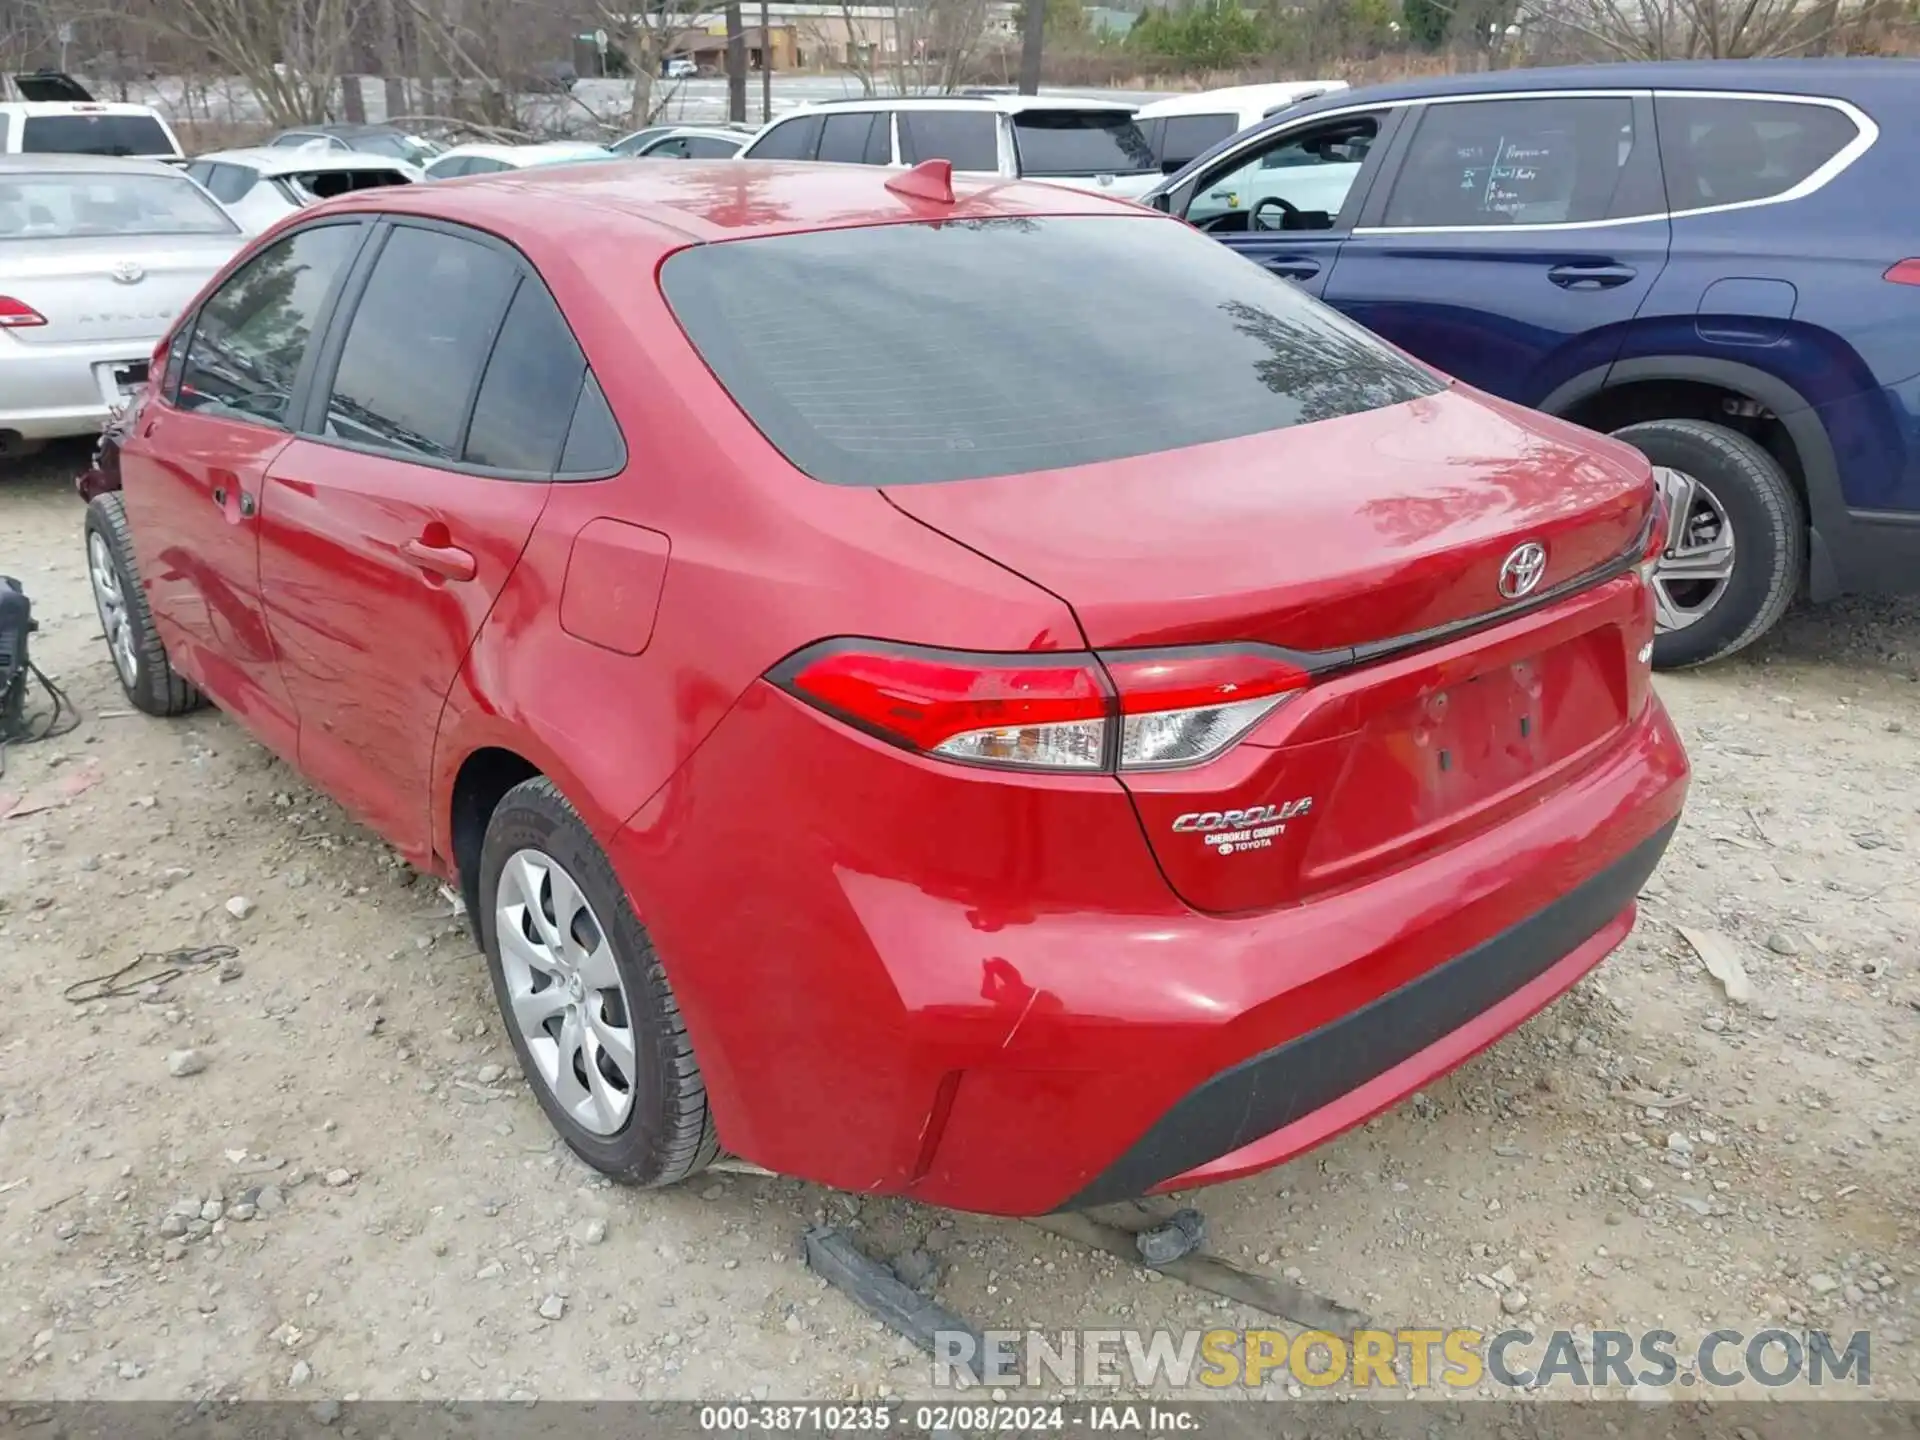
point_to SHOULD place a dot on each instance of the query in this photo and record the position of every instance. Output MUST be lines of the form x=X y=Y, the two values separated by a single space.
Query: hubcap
x=565 y=991
x=1696 y=564
x=112 y=605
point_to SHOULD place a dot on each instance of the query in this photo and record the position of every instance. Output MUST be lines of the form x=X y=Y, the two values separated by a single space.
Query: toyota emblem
x=1521 y=570
x=128 y=273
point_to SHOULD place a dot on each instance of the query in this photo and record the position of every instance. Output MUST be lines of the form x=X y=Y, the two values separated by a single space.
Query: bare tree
x=1688 y=29
x=289 y=53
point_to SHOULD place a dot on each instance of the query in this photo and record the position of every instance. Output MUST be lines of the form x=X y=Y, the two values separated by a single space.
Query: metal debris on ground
x=147 y=974
x=831 y=1254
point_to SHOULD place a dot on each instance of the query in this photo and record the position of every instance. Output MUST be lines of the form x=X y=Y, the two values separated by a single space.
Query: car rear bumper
x=50 y=391
x=945 y=1025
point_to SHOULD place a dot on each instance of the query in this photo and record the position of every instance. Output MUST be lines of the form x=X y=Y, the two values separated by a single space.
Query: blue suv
x=1717 y=262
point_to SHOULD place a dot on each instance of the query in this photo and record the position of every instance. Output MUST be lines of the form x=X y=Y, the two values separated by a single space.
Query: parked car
x=259 y=187
x=627 y=144
x=85 y=127
x=1182 y=127
x=387 y=140
x=679 y=67
x=1089 y=144
x=1712 y=261
x=958 y=690
x=97 y=256
x=490 y=159
x=693 y=142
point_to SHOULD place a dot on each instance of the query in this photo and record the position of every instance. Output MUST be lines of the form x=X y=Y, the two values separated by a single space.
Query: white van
x=1183 y=127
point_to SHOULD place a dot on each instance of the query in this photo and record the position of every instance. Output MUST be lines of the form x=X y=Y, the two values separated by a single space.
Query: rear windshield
x=900 y=354
x=95 y=135
x=40 y=207
x=1080 y=142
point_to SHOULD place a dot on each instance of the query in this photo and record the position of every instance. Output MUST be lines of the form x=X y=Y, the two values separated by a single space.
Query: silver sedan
x=97 y=256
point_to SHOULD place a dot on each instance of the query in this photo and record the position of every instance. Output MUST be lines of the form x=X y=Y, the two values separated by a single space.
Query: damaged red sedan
x=960 y=690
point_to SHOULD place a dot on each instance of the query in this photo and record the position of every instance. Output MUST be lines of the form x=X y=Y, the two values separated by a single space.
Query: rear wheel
x=1736 y=542
x=139 y=657
x=584 y=996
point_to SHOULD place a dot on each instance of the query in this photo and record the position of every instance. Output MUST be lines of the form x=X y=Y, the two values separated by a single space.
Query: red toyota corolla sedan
x=968 y=691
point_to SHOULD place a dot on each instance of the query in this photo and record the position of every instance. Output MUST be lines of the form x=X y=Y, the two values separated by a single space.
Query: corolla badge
x=127 y=272
x=1521 y=570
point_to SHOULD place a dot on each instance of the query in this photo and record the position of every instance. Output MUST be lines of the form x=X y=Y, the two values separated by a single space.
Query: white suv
x=1088 y=144
x=85 y=127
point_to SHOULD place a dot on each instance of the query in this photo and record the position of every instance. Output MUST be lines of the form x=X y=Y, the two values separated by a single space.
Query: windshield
x=1080 y=142
x=899 y=354
x=73 y=206
x=95 y=135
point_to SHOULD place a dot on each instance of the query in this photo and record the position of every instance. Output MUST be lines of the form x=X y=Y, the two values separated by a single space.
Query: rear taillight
x=18 y=315
x=1076 y=712
x=1655 y=540
x=1903 y=272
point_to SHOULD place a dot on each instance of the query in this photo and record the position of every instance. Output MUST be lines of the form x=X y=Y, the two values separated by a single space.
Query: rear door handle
x=449 y=562
x=1294 y=267
x=1590 y=277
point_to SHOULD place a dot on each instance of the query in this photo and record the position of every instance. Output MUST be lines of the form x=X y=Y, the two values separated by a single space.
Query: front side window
x=253 y=332
x=95 y=135
x=1296 y=181
x=909 y=353
x=673 y=147
x=1725 y=151
x=965 y=139
x=1514 y=162
x=789 y=140
x=418 y=338
x=709 y=147
x=1080 y=143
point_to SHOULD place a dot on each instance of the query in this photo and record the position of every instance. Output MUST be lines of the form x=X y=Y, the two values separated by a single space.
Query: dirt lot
x=412 y=1230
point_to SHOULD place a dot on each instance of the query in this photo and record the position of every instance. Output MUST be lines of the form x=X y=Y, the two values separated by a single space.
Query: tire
x=666 y=1131
x=1756 y=500
x=140 y=658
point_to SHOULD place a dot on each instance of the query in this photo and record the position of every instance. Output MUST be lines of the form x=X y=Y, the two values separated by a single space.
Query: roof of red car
x=715 y=200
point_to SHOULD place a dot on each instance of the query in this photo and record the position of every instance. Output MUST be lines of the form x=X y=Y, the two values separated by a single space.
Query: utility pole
x=766 y=65
x=736 y=65
x=1036 y=33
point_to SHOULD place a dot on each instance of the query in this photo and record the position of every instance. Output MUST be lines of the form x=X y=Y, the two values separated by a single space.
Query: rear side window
x=968 y=140
x=1723 y=152
x=1187 y=137
x=252 y=334
x=789 y=140
x=419 y=335
x=95 y=135
x=1080 y=142
x=1514 y=162
x=899 y=354
x=844 y=137
x=528 y=393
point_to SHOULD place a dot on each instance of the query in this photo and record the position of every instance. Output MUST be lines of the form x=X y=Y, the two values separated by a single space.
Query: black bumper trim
x=1272 y=1090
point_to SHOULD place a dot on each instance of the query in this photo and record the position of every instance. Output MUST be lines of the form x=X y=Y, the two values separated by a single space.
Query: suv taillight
x=1903 y=272
x=1121 y=710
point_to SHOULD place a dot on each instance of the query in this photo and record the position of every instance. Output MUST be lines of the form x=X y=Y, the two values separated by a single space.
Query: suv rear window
x=901 y=354
x=1080 y=142
x=95 y=135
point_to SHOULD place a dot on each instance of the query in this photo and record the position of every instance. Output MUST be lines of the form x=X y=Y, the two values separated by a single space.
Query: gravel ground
x=345 y=1191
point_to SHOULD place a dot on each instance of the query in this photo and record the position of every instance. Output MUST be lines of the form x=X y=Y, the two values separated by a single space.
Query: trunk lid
x=108 y=288
x=1340 y=533
x=1374 y=545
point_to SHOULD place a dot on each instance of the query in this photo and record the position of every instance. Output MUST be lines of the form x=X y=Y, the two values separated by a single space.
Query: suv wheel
x=139 y=657
x=585 y=998
x=1736 y=539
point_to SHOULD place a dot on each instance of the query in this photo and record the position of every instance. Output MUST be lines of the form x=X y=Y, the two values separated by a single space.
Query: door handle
x=1590 y=277
x=1294 y=267
x=449 y=562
